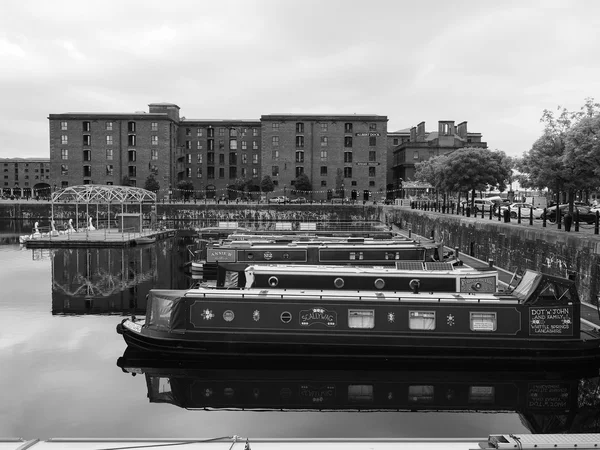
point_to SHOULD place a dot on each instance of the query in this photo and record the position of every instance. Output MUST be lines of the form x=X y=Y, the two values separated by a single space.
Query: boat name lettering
x=221 y=255
x=548 y=396
x=317 y=394
x=321 y=316
x=551 y=321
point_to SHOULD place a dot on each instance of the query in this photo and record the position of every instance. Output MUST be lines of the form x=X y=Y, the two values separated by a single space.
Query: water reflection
x=114 y=280
x=547 y=401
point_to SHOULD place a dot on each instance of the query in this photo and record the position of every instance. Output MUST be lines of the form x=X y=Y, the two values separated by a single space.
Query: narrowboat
x=538 y=320
x=406 y=276
x=550 y=400
x=350 y=252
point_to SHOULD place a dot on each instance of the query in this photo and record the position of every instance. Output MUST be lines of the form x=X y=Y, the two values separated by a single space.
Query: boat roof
x=412 y=268
x=321 y=244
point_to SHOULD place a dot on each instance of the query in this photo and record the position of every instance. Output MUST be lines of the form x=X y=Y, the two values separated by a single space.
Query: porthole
x=338 y=283
x=379 y=283
x=268 y=256
x=286 y=256
x=286 y=317
x=250 y=255
x=273 y=281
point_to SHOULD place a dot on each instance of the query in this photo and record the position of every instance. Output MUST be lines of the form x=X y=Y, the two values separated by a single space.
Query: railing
x=507 y=216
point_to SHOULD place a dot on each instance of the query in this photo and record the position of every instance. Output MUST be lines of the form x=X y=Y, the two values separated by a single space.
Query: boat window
x=361 y=318
x=356 y=255
x=360 y=393
x=481 y=394
x=421 y=394
x=160 y=390
x=421 y=320
x=483 y=321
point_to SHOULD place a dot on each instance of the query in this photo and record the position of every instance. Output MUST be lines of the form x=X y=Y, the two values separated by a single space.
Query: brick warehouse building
x=25 y=177
x=343 y=155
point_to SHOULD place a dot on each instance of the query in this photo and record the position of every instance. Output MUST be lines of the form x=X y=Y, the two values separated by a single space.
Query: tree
x=302 y=184
x=151 y=184
x=565 y=158
x=186 y=187
x=476 y=169
x=432 y=171
x=266 y=184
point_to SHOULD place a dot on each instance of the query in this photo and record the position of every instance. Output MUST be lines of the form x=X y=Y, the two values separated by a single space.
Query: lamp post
x=343 y=193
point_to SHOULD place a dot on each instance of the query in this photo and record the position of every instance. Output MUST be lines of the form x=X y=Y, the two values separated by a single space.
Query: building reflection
x=547 y=400
x=114 y=280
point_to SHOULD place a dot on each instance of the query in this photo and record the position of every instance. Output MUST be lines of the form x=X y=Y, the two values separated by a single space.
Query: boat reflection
x=114 y=280
x=547 y=401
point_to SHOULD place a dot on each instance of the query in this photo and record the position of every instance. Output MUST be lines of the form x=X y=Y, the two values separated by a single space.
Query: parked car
x=584 y=213
x=279 y=199
x=480 y=204
x=525 y=210
x=298 y=200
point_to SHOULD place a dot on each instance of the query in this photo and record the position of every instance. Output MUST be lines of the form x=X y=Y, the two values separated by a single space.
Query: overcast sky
x=495 y=64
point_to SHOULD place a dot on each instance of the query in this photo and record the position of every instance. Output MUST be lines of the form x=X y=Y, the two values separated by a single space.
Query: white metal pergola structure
x=102 y=194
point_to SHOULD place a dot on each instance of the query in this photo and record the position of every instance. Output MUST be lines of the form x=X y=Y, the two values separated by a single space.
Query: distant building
x=344 y=156
x=25 y=177
x=420 y=145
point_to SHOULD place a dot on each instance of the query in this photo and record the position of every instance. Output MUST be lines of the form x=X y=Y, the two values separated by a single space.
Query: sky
x=495 y=64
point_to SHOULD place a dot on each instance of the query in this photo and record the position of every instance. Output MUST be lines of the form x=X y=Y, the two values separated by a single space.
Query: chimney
x=421 y=131
x=413 y=134
x=461 y=130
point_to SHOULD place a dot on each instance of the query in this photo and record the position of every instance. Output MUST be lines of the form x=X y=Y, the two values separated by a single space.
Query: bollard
x=519 y=215
x=596 y=222
x=506 y=216
x=576 y=219
x=530 y=216
x=544 y=218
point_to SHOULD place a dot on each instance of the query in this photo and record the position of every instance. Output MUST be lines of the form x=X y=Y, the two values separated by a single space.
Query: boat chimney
x=414 y=284
x=491 y=262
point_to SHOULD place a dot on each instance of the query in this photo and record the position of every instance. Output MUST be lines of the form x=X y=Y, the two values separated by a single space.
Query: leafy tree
x=151 y=184
x=125 y=181
x=186 y=187
x=266 y=184
x=475 y=169
x=432 y=171
x=565 y=158
x=302 y=184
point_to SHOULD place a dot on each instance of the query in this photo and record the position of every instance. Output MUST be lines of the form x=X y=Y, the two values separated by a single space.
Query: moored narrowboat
x=538 y=320
x=350 y=252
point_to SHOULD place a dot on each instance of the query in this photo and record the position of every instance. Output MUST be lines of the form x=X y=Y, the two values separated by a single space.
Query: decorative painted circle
x=338 y=283
x=286 y=317
x=268 y=256
x=273 y=281
x=414 y=283
x=286 y=256
x=228 y=392
x=379 y=283
x=228 y=315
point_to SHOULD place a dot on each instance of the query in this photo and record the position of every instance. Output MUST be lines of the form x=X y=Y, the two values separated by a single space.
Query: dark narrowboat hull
x=515 y=351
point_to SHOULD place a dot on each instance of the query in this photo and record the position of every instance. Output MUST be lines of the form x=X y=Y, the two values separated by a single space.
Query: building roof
x=287 y=116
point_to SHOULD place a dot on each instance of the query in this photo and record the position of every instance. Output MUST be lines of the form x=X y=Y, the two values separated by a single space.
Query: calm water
x=59 y=374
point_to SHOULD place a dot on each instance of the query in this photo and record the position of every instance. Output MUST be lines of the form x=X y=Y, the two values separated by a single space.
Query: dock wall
x=511 y=246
